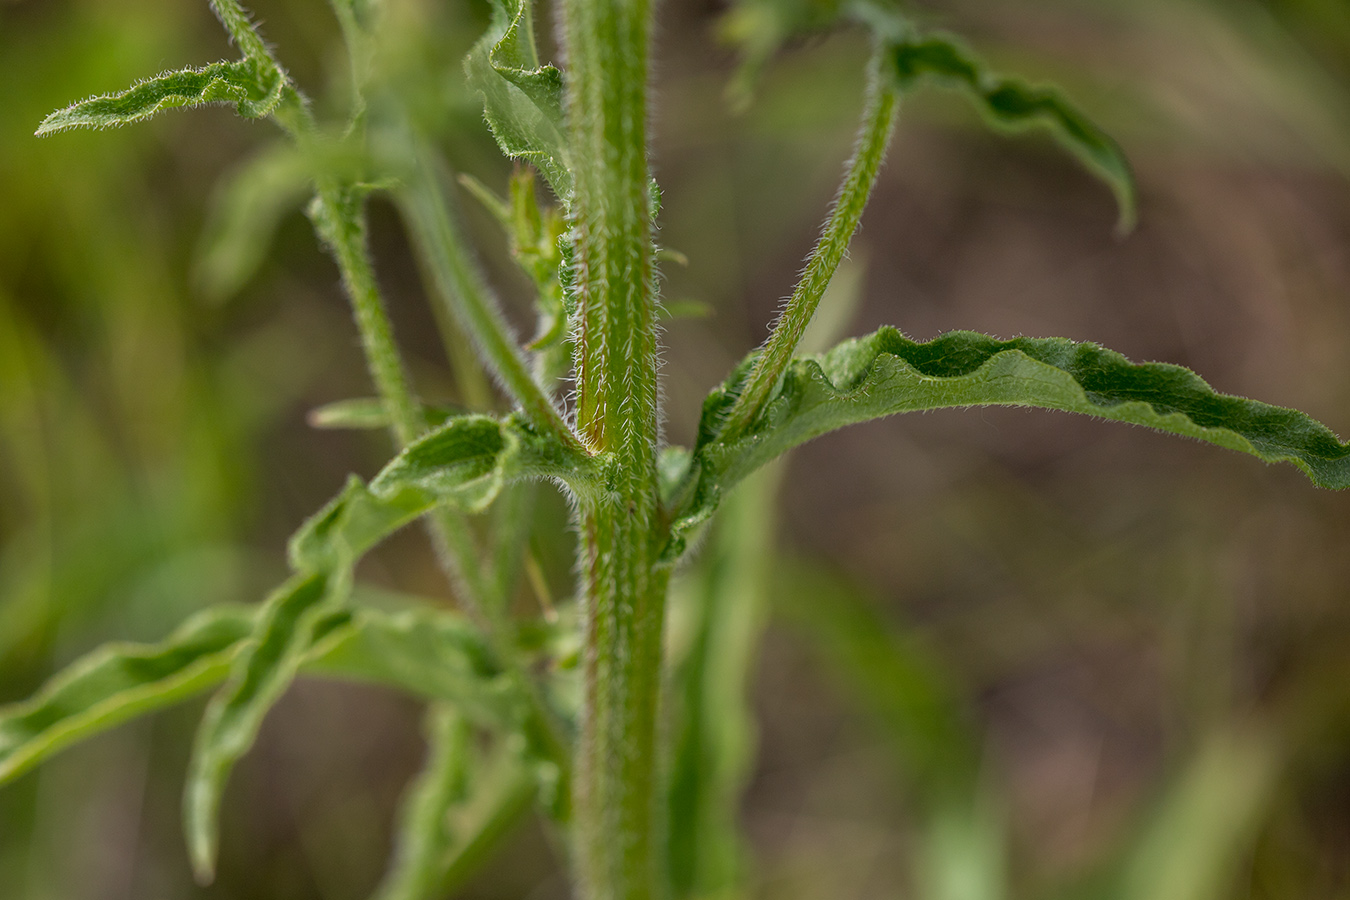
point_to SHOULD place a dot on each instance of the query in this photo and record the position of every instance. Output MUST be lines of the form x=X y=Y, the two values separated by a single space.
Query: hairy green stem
x=616 y=833
x=878 y=121
x=462 y=289
x=340 y=221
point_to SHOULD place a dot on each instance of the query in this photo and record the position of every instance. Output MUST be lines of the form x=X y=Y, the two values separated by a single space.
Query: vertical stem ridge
x=617 y=416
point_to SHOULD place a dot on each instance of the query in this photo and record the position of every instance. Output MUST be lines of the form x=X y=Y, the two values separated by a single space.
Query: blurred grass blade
x=367 y=413
x=259 y=675
x=886 y=373
x=1008 y=104
x=522 y=98
x=358 y=413
x=1190 y=846
x=424 y=832
x=452 y=821
x=118 y=682
x=905 y=693
x=254 y=92
x=244 y=218
x=714 y=738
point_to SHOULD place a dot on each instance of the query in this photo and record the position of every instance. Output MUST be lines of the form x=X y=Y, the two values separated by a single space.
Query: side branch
x=878 y=121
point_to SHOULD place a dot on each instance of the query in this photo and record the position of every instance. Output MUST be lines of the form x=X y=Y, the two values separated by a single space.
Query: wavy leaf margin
x=886 y=373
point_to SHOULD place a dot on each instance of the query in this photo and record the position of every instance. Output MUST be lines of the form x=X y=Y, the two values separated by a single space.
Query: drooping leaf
x=760 y=27
x=1008 y=104
x=886 y=373
x=464 y=463
x=254 y=91
x=258 y=677
x=365 y=413
x=432 y=653
x=118 y=682
x=522 y=98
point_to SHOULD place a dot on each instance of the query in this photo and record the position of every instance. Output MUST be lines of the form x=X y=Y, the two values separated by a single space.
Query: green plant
x=594 y=762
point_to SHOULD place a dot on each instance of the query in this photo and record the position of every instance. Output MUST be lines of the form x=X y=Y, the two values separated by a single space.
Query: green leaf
x=467 y=461
x=431 y=653
x=886 y=373
x=469 y=458
x=1010 y=105
x=366 y=413
x=118 y=682
x=463 y=463
x=436 y=654
x=258 y=677
x=522 y=98
x=255 y=92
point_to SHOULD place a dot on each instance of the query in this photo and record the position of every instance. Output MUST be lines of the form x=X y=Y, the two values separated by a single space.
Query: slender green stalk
x=878 y=121
x=341 y=223
x=616 y=834
x=462 y=289
x=340 y=220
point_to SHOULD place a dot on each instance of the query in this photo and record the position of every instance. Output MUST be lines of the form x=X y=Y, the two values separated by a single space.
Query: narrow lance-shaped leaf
x=522 y=98
x=886 y=373
x=436 y=654
x=1009 y=104
x=260 y=674
x=118 y=682
x=465 y=463
x=254 y=91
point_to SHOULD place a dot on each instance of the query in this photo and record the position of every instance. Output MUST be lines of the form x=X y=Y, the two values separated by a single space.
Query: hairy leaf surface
x=253 y=90
x=522 y=98
x=886 y=373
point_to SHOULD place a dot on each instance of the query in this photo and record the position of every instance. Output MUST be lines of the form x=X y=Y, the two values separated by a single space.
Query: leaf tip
x=199 y=821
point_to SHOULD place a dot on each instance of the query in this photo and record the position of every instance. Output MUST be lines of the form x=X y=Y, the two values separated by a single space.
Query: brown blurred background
x=1117 y=609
